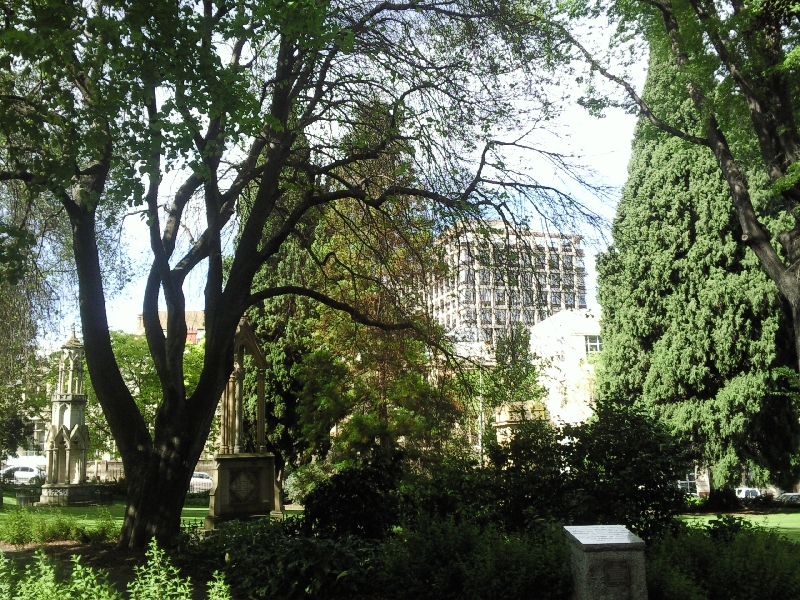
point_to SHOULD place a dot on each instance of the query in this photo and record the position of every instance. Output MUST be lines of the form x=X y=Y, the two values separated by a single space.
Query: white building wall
x=565 y=342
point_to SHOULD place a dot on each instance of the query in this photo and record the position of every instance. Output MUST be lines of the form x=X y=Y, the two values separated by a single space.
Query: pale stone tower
x=68 y=436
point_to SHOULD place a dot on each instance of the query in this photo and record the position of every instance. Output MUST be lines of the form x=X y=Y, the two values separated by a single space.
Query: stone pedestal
x=60 y=494
x=244 y=488
x=607 y=563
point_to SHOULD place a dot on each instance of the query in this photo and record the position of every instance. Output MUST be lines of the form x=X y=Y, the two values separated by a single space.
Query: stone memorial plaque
x=589 y=536
x=607 y=563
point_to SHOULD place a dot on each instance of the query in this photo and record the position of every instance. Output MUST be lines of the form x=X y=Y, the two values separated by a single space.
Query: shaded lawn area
x=88 y=515
x=785 y=522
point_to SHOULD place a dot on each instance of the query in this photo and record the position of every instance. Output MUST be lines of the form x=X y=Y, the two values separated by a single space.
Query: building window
x=514 y=296
x=469 y=296
x=543 y=298
x=569 y=300
x=486 y=297
x=689 y=485
x=484 y=277
x=500 y=317
x=514 y=316
x=486 y=334
x=540 y=261
x=498 y=277
x=527 y=280
x=499 y=297
x=529 y=316
x=529 y=297
x=486 y=316
x=469 y=316
x=593 y=344
x=567 y=262
x=555 y=280
x=581 y=300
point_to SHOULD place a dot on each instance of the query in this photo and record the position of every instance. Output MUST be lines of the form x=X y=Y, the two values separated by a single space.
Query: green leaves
x=15 y=246
x=693 y=331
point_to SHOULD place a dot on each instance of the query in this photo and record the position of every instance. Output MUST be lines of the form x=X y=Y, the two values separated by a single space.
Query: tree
x=248 y=103
x=514 y=379
x=374 y=387
x=693 y=330
x=733 y=72
x=138 y=370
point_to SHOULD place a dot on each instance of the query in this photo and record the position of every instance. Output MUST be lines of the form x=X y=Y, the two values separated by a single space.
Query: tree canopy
x=731 y=68
x=187 y=110
x=693 y=330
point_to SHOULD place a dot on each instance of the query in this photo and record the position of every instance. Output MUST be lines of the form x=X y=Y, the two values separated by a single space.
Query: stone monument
x=67 y=438
x=607 y=563
x=244 y=485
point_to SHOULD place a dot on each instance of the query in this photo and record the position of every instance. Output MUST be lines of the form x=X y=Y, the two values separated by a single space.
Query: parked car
x=200 y=482
x=747 y=493
x=22 y=475
x=788 y=498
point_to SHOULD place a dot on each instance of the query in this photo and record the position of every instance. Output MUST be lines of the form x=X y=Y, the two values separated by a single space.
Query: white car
x=22 y=475
x=200 y=482
x=747 y=493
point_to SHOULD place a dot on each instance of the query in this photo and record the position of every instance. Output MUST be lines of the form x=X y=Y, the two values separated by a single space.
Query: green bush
x=437 y=560
x=618 y=468
x=156 y=580
x=360 y=500
x=729 y=559
x=264 y=559
x=460 y=561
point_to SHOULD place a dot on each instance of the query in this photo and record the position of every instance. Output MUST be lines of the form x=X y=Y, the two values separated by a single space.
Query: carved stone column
x=262 y=448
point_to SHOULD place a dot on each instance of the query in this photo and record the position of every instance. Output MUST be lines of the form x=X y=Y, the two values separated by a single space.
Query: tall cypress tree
x=692 y=328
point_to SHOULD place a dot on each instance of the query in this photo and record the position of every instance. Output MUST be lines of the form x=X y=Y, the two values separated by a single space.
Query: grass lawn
x=87 y=515
x=785 y=522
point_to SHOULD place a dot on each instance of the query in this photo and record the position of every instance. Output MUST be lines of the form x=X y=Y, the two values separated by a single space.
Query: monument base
x=244 y=488
x=63 y=494
x=607 y=563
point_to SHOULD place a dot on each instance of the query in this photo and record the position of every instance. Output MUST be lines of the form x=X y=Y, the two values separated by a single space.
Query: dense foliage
x=729 y=559
x=620 y=467
x=694 y=332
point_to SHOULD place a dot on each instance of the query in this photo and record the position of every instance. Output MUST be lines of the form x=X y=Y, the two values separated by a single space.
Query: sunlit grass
x=785 y=523
x=88 y=515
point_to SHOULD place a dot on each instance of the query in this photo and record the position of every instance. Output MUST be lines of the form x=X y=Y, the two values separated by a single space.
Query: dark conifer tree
x=692 y=328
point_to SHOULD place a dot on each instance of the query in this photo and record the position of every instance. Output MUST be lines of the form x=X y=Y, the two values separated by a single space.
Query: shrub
x=449 y=560
x=729 y=559
x=268 y=559
x=156 y=580
x=619 y=468
x=623 y=468
x=361 y=500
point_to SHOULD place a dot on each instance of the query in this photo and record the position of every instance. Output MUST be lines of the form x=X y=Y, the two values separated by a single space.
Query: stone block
x=244 y=487
x=607 y=563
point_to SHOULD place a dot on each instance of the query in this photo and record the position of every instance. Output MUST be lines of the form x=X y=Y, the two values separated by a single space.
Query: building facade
x=494 y=281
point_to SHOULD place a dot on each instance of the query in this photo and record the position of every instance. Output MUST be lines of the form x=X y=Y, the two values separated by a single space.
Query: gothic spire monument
x=67 y=438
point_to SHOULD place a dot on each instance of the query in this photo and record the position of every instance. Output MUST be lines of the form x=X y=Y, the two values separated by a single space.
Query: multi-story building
x=503 y=278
